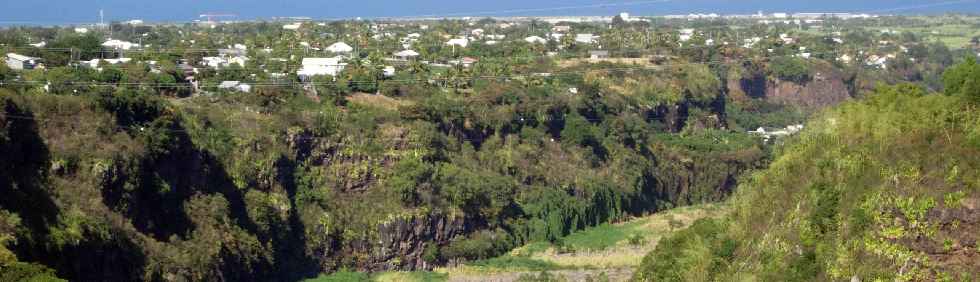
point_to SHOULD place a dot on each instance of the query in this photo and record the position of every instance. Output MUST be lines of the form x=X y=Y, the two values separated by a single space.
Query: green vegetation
x=276 y=184
x=342 y=276
x=513 y=263
x=859 y=194
x=621 y=249
x=349 y=276
x=790 y=69
x=605 y=236
x=148 y=170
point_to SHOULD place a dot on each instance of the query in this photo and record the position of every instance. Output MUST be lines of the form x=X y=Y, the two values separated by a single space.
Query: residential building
x=406 y=55
x=119 y=44
x=461 y=42
x=321 y=66
x=235 y=85
x=340 y=48
x=21 y=62
x=535 y=40
x=598 y=54
x=586 y=38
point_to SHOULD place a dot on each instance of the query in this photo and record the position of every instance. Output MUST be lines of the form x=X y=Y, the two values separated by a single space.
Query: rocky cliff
x=826 y=87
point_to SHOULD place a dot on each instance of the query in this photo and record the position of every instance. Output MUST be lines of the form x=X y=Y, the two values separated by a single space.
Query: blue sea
x=51 y=12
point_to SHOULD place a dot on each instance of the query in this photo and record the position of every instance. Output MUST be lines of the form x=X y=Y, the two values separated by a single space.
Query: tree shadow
x=154 y=189
x=24 y=184
x=24 y=163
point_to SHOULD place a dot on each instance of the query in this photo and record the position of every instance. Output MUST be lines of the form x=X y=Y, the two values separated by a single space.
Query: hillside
x=882 y=189
x=120 y=183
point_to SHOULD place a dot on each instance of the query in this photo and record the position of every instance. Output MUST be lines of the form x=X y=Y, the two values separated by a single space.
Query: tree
x=963 y=80
x=700 y=82
x=618 y=21
x=790 y=69
x=86 y=47
x=6 y=73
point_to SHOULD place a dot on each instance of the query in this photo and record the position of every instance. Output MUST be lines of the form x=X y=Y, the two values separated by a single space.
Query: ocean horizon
x=63 y=12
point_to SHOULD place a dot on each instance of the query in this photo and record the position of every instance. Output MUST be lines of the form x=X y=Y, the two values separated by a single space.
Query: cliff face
x=825 y=88
x=176 y=201
x=403 y=241
x=822 y=92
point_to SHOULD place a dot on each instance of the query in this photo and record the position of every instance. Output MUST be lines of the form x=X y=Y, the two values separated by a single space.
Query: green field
x=590 y=252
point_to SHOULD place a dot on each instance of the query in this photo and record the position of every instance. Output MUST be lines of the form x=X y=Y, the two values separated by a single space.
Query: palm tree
x=417 y=67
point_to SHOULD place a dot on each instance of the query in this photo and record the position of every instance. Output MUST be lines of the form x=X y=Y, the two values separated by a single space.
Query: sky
x=50 y=12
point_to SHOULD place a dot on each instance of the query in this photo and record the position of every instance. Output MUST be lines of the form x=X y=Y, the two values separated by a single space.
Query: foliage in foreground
x=882 y=189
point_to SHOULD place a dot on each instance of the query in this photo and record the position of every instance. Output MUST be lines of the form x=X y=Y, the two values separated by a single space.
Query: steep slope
x=119 y=183
x=818 y=86
x=883 y=189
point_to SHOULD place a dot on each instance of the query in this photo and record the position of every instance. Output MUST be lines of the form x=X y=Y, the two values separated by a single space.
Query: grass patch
x=341 y=276
x=604 y=236
x=512 y=263
x=532 y=249
x=411 y=277
x=398 y=276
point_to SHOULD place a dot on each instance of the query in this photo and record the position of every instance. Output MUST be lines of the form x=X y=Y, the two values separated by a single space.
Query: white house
x=294 y=26
x=685 y=34
x=787 y=39
x=535 y=39
x=340 y=47
x=389 y=71
x=406 y=54
x=119 y=44
x=321 y=66
x=877 y=61
x=461 y=42
x=118 y=61
x=21 y=62
x=81 y=30
x=222 y=62
x=599 y=54
x=586 y=38
x=94 y=63
x=235 y=85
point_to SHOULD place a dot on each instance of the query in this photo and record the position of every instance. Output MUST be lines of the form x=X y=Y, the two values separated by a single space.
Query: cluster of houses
x=338 y=54
x=769 y=134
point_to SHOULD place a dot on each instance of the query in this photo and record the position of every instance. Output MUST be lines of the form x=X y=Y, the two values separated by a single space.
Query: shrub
x=790 y=69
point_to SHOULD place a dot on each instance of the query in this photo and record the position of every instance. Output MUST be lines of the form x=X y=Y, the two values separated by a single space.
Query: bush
x=790 y=69
x=964 y=80
x=342 y=276
x=481 y=245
